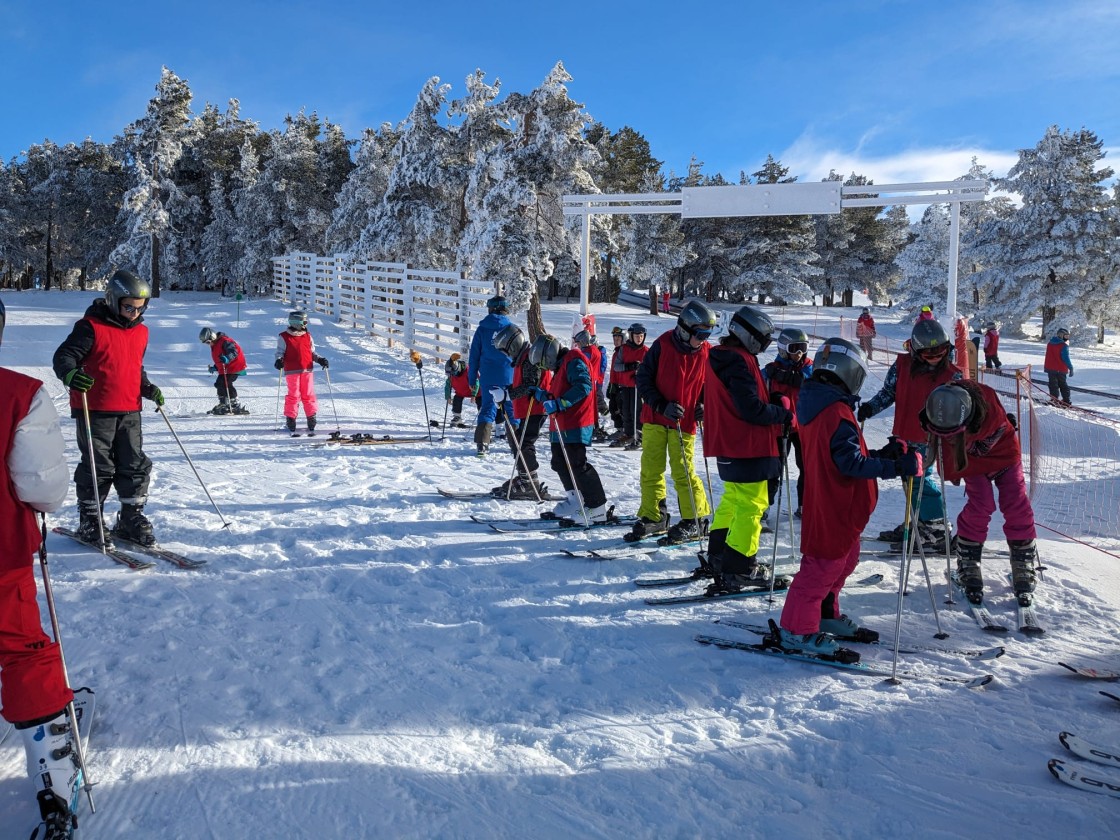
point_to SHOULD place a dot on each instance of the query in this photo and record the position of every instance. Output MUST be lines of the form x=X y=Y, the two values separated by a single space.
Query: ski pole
x=279 y=383
x=93 y=471
x=904 y=572
x=521 y=456
x=783 y=444
x=789 y=495
x=443 y=428
x=940 y=459
x=71 y=712
x=707 y=472
x=555 y=427
x=167 y=420
x=334 y=408
x=225 y=379
x=416 y=360
x=689 y=472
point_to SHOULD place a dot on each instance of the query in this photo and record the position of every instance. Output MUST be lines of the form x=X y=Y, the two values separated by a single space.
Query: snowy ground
x=359 y=659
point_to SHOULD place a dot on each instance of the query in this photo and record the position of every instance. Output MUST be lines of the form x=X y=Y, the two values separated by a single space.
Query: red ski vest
x=793 y=391
x=993 y=343
x=1054 y=360
x=521 y=404
x=910 y=397
x=219 y=347
x=581 y=414
x=594 y=354
x=114 y=362
x=726 y=434
x=297 y=352
x=679 y=379
x=461 y=386
x=836 y=506
x=19 y=531
x=631 y=354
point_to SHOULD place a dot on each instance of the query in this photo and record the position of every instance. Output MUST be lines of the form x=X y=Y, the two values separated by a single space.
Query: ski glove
x=155 y=395
x=279 y=364
x=226 y=358
x=323 y=363
x=78 y=380
x=674 y=411
x=603 y=405
x=894 y=450
x=910 y=464
x=498 y=394
x=864 y=412
x=553 y=406
x=698 y=413
x=213 y=369
x=783 y=401
x=541 y=395
x=630 y=366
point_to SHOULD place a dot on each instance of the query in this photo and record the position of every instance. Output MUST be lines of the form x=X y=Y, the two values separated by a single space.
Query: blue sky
x=897 y=90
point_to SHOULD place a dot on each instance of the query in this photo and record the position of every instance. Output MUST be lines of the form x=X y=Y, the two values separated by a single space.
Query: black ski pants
x=119 y=459
x=630 y=406
x=225 y=387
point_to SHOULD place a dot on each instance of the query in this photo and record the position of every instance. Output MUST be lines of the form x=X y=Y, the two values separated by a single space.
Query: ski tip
x=1057 y=767
x=1064 y=738
x=1032 y=630
x=981 y=681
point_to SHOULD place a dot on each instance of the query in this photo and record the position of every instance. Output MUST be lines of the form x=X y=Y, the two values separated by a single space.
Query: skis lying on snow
x=647 y=583
x=770 y=647
x=984 y=654
x=630 y=549
x=363 y=439
x=1092 y=673
x=160 y=553
x=1110 y=696
x=1079 y=746
x=504 y=526
x=111 y=551
x=781 y=583
x=470 y=495
x=1077 y=779
x=63 y=823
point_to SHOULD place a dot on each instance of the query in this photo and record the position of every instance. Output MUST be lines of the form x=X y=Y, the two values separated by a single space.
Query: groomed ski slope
x=359 y=659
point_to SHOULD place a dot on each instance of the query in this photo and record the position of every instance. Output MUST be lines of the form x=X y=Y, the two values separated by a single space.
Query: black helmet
x=124 y=284
x=1062 y=333
x=866 y=311
x=545 y=352
x=753 y=328
x=991 y=325
x=510 y=341
x=207 y=335
x=455 y=365
x=840 y=361
x=927 y=335
x=792 y=340
x=695 y=320
x=3 y=318
x=297 y=319
x=948 y=409
x=636 y=329
x=498 y=304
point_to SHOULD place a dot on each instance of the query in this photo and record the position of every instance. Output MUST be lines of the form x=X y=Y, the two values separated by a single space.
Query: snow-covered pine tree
x=834 y=236
x=707 y=241
x=924 y=265
x=876 y=237
x=975 y=217
x=1052 y=251
x=257 y=214
x=654 y=247
x=363 y=191
x=220 y=251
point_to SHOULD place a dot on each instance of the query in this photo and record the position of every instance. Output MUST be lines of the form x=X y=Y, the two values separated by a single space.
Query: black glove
x=631 y=366
x=674 y=411
x=78 y=380
x=1014 y=422
x=278 y=364
x=864 y=412
x=894 y=450
x=323 y=363
x=698 y=413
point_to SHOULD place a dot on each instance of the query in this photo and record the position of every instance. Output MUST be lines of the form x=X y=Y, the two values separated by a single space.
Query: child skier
x=865 y=330
x=103 y=358
x=295 y=353
x=489 y=368
x=569 y=403
x=228 y=363
x=783 y=377
x=840 y=494
x=33 y=690
x=528 y=414
x=633 y=352
x=991 y=347
x=458 y=388
x=979 y=443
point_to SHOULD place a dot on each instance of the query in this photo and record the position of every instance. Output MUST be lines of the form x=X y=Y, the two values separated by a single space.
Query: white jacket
x=37 y=462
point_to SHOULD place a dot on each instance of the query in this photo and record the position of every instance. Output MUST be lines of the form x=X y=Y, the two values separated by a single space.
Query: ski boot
x=456 y=422
x=1024 y=559
x=223 y=407
x=237 y=408
x=90 y=524
x=892 y=536
x=527 y=488
x=815 y=644
x=598 y=514
x=134 y=526
x=52 y=765
x=735 y=571
x=312 y=422
x=844 y=628
x=483 y=433
x=686 y=530
x=620 y=442
x=290 y=424
x=649 y=527
x=969 y=576
x=568 y=507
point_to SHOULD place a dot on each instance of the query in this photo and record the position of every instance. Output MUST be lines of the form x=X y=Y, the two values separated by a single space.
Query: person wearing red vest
x=102 y=363
x=569 y=403
x=784 y=377
x=865 y=331
x=33 y=690
x=228 y=362
x=597 y=361
x=841 y=492
x=991 y=347
x=670 y=382
x=458 y=388
x=614 y=368
x=927 y=363
x=742 y=432
x=1058 y=367
x=624 y=372
x=527 y=414
x=981 y=446
x=295 y=353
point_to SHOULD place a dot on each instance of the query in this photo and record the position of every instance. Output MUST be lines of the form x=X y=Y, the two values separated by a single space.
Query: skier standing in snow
x=912 y=376
x=865 y=330
x=295 y=357
x=458 y=388
x=784 y=376
x=618 y=336
x=528 y=414
x=1058 y=366
x=33 y=690
x=103 y=358
x=840 y=495
x=584 y=339
x=489 y=368
x=228 y=362
x=742 y=434
x=569 y=403
x=991 y=347
x=670 y=382
x=633 y=352
x=980 y=445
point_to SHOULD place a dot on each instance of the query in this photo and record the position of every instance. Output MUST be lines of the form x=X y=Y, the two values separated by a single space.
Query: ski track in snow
x=359 y=659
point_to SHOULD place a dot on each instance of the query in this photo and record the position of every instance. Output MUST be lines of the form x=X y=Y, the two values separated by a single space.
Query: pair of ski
x=549 y=523
x=1095 y=674
x=120 y=551
x=364 y=439
x=1025 y=613
x=471 y=495
x=1085 y=749
x=843 y=661
x=781 y=583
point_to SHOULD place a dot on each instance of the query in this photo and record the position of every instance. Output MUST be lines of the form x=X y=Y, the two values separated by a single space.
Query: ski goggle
x=701 y=332
x=798 y=347
x=932 y=354
x=129 y=309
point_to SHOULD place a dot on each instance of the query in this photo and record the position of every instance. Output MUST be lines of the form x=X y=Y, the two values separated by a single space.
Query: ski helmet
x=991 y=325
x=617 y=331
x=124 y=284
x=510 y=341
x=948 y=409
x=1062 y=333
x=792 y=340
x=636 y=329
x=839 y=361
x=3 y=318
x=545 y=352
x=498 y=304
x=207 y=335
x=297 y=319
x=927 y=335
x=583 y=339
x=753 y=328
x=455 y=365
x=695 y=320
x=866 y=311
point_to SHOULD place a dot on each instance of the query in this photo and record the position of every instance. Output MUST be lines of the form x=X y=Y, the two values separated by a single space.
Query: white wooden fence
x=432 y=312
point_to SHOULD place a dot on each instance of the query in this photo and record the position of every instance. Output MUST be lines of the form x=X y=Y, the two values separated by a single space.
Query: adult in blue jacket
x=491 y=369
